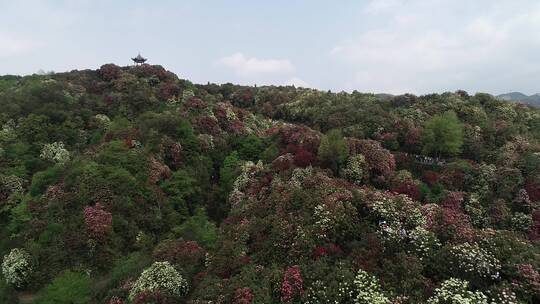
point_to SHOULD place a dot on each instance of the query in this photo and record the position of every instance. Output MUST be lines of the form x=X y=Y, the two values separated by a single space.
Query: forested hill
x=533 y=100
x=130 y=185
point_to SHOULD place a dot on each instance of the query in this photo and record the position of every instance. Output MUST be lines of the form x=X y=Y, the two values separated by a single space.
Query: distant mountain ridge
x=533 y=100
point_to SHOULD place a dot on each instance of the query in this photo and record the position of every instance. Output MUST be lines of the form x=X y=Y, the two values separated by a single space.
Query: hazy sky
x=394 y=46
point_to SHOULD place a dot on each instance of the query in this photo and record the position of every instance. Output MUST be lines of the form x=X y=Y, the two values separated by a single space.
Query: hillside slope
x=533 y=100
x=130 y=185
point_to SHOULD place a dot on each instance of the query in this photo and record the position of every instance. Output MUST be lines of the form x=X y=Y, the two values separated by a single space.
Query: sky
x=379 y=46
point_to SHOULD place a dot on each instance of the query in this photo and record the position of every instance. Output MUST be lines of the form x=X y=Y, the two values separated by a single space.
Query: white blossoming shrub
x=17 y=267
x=521 y=221
x=397 y=215
x=503 y=296
x=163 y=277
x=323 y=220
x=368 y=290
x=455 y=291
x=320 y=293
x=423 y=242
x=7 y=132
x=187 y=95
x=482 y=180
x=474 y=260
x=103 y=120
x=55 y=152
x=476 y=211
x=229 y=113
x=298 y=176
x=254 y=124
x=249 y=170
x=356 y=170
x=11 y=184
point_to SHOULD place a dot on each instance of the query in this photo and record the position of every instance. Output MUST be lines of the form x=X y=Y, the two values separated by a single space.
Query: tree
x=229 y=171
x=17 y=267
x=356 y=170
x=68 y=288
x=333 y=149
x=199 y=228
x=180 y=188
x=249 y=147
x=98 y=222
x=443 y=135
x=160 y=277
x=368 y=289
x=455 y=291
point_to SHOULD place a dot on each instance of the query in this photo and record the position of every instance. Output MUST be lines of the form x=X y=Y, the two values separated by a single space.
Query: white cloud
x=252 y=66
x=420 y=50
x=12 y=45
x=379 y=6
x=297 y=82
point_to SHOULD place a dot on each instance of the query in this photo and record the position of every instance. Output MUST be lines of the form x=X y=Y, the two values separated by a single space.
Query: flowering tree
x=55 y=152
x=397 y=215
x=10 y=184
x=109 y=71
x=455 y=291
x=304 y=158
x=98 y=221
x=102 y=120
x=379 y=160
x=243 y=295
x=162 y=277
x=186 y=254
x=293 y=285
x=16 y=267
x=356 y=170
x=368 y=290
x=528 y=279
x=473 y=260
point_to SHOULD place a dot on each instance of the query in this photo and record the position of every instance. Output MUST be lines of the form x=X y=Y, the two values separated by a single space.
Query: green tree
x=180 y=188
x=249 y=147
x=68 y=288
x=443 y=135
x=270 y=153
x=228 y=172
x=198 y=228
x=333 y=149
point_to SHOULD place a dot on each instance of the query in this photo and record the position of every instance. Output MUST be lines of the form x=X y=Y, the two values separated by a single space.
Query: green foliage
x=249 y=147
x=270 y=153
x=172 y=188
x=19 y=216
x=7 y=293
x=180 y=187
x=228 y=172
x=41 y=180
x=333 y=149
x=128 y=267
x=68 y=288
x=198 y=228
x=443 y=135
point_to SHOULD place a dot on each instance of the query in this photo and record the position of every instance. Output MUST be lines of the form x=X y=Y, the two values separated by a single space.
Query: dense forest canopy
x=130 y=185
